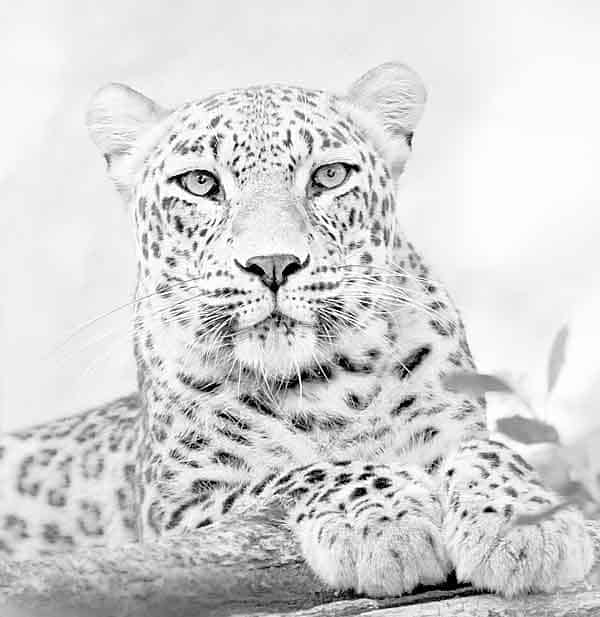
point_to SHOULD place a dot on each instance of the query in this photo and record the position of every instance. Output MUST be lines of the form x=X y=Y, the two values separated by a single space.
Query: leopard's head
x=263 y=216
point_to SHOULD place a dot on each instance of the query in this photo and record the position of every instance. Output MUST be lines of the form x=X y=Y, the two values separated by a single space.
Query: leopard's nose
x=273 y=270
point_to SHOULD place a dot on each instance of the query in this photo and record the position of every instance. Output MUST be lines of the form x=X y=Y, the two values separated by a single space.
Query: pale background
x=502 y=194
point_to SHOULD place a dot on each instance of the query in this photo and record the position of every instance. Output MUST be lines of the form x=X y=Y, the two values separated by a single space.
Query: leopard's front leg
x=374 y=528
x=485 y=487
x=370 y=527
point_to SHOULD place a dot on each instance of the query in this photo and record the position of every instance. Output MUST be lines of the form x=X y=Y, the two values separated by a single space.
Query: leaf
x=532 y=519
x=550 y=462
x=576 y=495
x=476 y=384
x=575 y=491
x=527 y=430
x=556 y=359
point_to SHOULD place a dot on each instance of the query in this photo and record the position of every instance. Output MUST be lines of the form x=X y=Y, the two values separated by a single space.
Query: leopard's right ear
x=395 y=96
x=118 y=118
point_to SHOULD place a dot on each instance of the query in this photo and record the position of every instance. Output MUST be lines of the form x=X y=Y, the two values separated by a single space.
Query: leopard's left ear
x=118 y=119
x=395 y=95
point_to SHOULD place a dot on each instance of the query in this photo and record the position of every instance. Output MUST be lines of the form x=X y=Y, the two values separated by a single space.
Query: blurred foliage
x=573 y=471
x=527 y=430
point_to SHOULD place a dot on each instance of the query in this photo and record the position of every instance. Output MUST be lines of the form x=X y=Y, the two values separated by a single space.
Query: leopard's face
x=264 y=218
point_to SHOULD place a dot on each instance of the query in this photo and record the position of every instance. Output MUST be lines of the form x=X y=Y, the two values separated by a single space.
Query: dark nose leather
x=273 y=270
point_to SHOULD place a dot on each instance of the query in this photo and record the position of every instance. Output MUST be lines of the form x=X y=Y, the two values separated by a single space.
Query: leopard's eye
x=331 y=176
x=198 y=182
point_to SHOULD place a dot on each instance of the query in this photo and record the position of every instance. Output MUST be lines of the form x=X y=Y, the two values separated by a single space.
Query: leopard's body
x=291 y=346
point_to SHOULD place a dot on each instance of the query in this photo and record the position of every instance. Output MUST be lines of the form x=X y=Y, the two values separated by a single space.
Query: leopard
x=292 y=346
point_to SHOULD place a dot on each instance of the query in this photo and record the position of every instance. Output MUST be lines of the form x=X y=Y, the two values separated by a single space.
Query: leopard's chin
x=276 y=347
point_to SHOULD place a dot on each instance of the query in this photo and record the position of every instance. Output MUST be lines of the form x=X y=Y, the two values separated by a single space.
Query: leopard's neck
x=183 y=387
x=187 y=379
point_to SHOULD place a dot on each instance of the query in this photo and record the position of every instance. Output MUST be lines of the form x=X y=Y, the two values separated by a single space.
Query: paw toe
x=331 y=553
x=395 y=559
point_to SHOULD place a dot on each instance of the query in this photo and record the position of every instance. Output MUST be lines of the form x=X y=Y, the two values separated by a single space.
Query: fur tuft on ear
x=117 y=118
x=395 y=95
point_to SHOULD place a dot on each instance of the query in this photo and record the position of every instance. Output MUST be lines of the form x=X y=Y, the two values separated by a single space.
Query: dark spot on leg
x=231 y=498
x=492 y=457
x=381 y=483
x=359 y=491
x=406 y=402
x=315 y=475
x=411 y=362
x=204 y=523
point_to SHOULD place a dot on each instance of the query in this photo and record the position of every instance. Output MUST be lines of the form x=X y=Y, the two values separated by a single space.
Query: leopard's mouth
x=278 y=345
x=277 y=322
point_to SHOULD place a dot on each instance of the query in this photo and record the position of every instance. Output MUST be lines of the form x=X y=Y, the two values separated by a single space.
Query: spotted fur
x=291 y=346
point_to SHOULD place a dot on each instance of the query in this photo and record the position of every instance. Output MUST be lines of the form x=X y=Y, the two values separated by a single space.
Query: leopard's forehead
x=262 y=107
x=261 y=122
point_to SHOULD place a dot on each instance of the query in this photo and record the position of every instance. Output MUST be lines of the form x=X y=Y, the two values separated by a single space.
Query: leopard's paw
x=383 y=556
x=397 y=555
x=497 y=555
